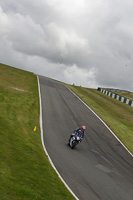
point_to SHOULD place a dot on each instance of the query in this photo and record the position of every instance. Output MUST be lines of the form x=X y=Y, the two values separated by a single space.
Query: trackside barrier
x=116 y=96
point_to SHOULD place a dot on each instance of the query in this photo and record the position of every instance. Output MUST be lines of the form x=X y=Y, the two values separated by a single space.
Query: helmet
x=83 y=127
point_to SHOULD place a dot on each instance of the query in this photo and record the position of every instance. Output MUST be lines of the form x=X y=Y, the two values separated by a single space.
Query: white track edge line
x=42 y=139
x=101 y=121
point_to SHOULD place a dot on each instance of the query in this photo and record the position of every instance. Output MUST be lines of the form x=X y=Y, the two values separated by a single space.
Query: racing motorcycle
x=74 y=140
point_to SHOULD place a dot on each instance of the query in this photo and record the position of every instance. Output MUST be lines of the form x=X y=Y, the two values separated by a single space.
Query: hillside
x=25 y=172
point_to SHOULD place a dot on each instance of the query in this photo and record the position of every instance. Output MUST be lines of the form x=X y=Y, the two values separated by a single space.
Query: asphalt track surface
x=97 y=169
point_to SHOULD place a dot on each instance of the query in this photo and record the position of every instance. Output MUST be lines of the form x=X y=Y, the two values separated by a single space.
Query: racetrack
x=99 y=167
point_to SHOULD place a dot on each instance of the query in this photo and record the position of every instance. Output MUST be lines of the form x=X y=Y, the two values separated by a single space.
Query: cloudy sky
x=86 y=42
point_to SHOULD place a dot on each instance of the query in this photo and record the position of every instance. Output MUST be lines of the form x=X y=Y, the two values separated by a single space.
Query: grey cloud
x=84 y=35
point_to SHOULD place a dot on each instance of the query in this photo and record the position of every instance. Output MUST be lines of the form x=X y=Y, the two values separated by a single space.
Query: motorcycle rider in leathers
x=79 y=131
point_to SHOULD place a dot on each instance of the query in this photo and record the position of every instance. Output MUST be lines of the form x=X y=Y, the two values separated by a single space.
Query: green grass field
x=117 y=115
x=25 y=172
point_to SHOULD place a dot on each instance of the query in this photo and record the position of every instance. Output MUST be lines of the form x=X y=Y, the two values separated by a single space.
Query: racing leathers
x=79 y=132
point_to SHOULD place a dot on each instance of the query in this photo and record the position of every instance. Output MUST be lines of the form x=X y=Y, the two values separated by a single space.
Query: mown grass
x=25 y=172
x=117 y=115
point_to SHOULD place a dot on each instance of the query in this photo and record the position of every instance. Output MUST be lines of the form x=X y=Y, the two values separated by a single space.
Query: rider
x=79 y=131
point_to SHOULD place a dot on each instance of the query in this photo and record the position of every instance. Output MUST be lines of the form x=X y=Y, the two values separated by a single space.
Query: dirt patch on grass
x=18 y=89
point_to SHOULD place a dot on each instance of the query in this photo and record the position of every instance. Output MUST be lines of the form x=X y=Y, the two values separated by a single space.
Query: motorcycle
x=74 y=140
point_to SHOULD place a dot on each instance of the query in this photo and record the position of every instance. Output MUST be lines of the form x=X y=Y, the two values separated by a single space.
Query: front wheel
x=74 y=143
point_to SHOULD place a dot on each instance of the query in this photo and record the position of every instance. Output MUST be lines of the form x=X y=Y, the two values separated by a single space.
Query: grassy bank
x=25 y=172
x=117 y=115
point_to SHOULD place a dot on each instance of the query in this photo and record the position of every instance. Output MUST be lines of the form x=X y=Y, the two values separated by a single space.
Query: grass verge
x=117 y=115
x=25 y=172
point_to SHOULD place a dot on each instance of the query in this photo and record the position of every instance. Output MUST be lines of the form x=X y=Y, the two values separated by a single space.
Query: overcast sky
x=86 y=42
